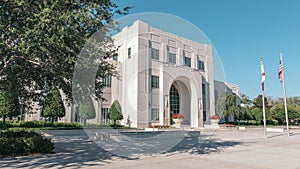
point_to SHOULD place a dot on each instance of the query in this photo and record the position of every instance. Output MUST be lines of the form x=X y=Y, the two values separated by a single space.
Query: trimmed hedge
x=14 y=143
x=37 y=123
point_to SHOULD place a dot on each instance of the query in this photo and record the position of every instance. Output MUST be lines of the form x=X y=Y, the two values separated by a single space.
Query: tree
x=9 y=105
x=115 y=112
x=86 y=109
x=53 y=106
x=278 y=112
x=258 y=102
x=245 y=99
x=231 y=107
x=257 y=114
x=41 y=40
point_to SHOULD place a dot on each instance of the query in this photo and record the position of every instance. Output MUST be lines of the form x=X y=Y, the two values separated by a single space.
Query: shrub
x=272 y=122
x=23 y=143
x=37 y=124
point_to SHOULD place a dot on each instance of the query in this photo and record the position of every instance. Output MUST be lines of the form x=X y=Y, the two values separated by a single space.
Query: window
x=104 y=115
x=203 y=89
x=200 y=65
x=129 y=53
x=115 y=57
x=155 y=54
x=155 y=81
x=106 y=81
x=172 y=58
x=187 y=61
x=174 y=100
x=154 y=114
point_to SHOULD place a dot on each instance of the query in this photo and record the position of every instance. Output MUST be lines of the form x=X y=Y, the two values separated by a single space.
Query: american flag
x=280 y=70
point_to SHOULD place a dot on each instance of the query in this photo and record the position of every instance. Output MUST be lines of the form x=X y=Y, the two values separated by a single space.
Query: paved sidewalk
x=222 y=148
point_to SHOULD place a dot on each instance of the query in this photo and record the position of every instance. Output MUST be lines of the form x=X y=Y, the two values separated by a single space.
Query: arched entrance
x=179 y=99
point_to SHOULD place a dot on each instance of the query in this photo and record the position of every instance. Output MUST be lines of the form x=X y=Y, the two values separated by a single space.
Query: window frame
x=155 y=51
x=154 y=83
x=172 y=58
x=189 y=63
x=154 y=117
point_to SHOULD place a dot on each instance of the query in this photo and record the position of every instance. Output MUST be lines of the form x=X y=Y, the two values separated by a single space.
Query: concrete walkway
x=222 y=148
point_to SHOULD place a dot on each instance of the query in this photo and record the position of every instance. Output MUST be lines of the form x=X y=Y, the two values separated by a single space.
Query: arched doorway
x=179 y=100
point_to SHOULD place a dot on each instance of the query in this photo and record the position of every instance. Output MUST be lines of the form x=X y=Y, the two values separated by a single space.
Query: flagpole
x=264 y=114
x=284 y=94
x=263 y=98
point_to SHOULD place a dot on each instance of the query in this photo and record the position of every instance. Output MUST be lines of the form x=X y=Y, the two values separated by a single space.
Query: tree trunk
x=52 y=120
x=3 y=117
x=115 y=123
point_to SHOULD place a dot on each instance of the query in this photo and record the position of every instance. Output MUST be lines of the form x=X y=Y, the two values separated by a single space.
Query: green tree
x=257 y=114
x=115 y=112
x=278 y=113
x=245 y=99
x=247 y=114
x=258 y=102
x=9 y=105
x=53 y=106
x=231 y=108
x=86 y=109
x=41 y=40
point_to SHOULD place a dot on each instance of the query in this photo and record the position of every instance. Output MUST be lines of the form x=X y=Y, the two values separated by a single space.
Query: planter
x=177 y=123
x=214 y=121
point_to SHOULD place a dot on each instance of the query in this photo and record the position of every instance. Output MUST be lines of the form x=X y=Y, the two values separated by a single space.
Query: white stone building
x=160 y=74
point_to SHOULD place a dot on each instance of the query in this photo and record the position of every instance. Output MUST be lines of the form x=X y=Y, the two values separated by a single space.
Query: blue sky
x=242 y=31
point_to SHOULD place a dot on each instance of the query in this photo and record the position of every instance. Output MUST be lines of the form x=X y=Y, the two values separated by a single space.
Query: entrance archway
x=179 y=98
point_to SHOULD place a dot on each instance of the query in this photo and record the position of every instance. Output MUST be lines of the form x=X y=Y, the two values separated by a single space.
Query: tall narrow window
x=155 y=81
x=203 y=89
x=172 y=58
x=106 y=81
x=187 y=61
x=104 y=115
x=174 y=100
x=154 y=114
x=155 y=54
x=200 y=65
x=129 y=53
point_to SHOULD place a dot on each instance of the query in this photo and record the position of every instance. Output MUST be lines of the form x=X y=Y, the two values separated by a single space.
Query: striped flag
x=263 y=75
x=280 y=70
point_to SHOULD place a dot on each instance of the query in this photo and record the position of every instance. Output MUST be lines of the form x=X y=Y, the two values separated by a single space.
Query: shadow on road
x=193 y=143
x=75 y=149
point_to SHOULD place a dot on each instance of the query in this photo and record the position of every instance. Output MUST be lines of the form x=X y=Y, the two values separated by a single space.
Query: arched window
x=174 y=100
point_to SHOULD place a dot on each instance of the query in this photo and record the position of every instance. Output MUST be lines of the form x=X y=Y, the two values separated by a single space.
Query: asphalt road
x=222 y=148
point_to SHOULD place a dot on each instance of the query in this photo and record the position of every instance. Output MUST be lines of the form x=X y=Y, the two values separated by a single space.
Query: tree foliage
x=228 y=106
x=41 y=40
x=245 y=99
x=115 y=112
x=9 y=105
x=258 y=101
x=86 y=109
x=53 y=106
